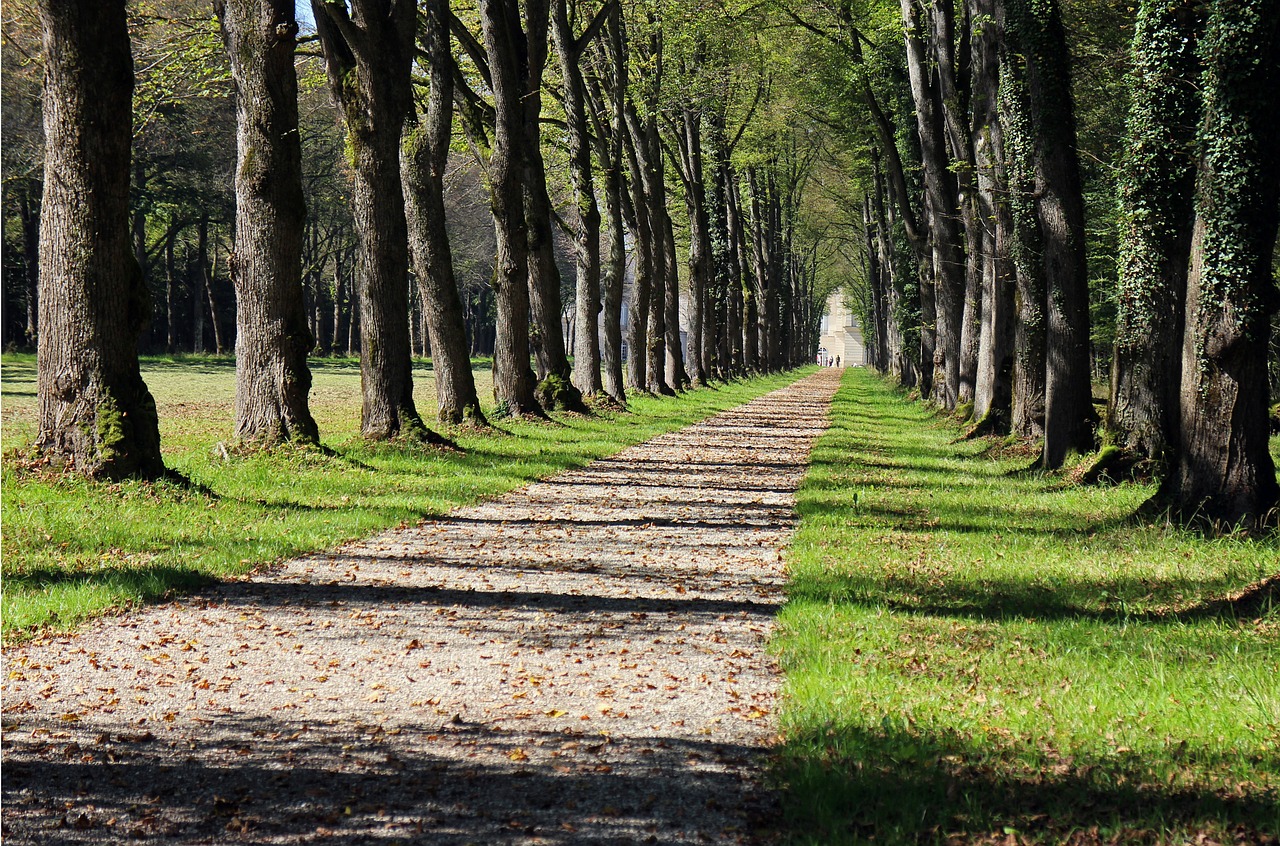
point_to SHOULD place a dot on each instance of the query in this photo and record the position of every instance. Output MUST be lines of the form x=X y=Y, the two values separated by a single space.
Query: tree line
x=126 y=208
x=1023 y=199
x=978 y=285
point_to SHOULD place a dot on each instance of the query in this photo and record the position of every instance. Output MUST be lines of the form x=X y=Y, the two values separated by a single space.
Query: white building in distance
x=841 y=335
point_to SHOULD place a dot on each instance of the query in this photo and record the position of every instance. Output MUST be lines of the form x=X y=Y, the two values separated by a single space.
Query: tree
x=609 y=123
x=424 y=158
x=95 y=412
x=942 y=201
x=1224 y=472
x=570 y=50
x=1156 y=185
x=273 y=337
x=368 y=51
x=993 y=387
x=1045 y=188
x=504 y=46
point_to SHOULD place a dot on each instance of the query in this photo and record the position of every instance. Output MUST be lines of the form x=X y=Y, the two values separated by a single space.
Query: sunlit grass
x=977 y=655
x=74 y=549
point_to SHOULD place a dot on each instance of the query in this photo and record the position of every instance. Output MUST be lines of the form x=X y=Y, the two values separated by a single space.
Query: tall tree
x=272 y=332
x=368 y=51
x=608 y=114
x=1224 y=472
x=505 y=48
x=424 y=159
x=1041 y=127
x=95 y=412
x=941 y=198
x=556 y=389
x=993 y=386
x=586 y=235
x=1156 y=193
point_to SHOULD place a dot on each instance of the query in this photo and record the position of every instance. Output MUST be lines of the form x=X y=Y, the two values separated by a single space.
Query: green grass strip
x=74 y=549
x=974 y=656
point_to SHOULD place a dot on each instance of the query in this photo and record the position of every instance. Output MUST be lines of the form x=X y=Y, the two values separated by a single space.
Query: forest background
x=996 y=186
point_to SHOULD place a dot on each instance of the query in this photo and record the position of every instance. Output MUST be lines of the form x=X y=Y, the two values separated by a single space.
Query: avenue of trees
x=1022 y=198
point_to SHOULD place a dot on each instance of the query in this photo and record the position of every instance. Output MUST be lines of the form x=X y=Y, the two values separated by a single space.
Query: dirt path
x=580 y=661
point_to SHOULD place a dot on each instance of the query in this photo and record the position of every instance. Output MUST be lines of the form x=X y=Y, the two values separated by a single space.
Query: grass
x=973 y=656
x=73 y=549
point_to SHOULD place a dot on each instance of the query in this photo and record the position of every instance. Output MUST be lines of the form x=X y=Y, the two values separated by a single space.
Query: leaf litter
x=579 y=661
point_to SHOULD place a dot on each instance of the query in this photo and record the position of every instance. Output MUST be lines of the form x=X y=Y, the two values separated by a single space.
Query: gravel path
x=580 y=661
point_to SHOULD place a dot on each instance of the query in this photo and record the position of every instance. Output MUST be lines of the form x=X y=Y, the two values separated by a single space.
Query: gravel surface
x=580 y=661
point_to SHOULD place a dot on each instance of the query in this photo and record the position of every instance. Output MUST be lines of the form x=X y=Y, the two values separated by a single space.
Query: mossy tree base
x=555 y=393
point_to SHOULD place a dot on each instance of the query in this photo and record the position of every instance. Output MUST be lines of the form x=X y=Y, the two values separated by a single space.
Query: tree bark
x=95 y=412
x=31 y=266
x=1157 y=218
x=1051 y=164
x=690 y=144
x=504 y=45
x=642 y=238
x=677 y=378
x=272 y=334
x=993 y=387
x=208 y=273
x=661 y=364
x=1224 y=474
x=369 y=58
x=610 y=128
x=170 y=296
x=1025 y=247
x=424 y=158
x=544 y=272
x=941 y=207
x=586 y=235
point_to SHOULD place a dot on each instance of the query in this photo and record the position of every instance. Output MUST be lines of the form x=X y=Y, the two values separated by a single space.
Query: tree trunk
x=369 y=59
x=353 y=325
x=1157 y=217
x=338 y=294
x=1035 y=34
x=941 y=208
x=699 y=244
x=209 y=272
x=424 y=158
x=504 y=44
x=1224 y=473
x=993 y=387
x=721 y=245
x=586 y=236
x=1025 y=247
x=767 y=301
x=750 y=301
x=656 y=331
x=272 y=335
x=641 y=285
x=664 y=282
x=544 y=273
x=677 y=378
x=95 y=412
x=31 y=266
x=170 y=296
x=737 y=274
x=610 y=128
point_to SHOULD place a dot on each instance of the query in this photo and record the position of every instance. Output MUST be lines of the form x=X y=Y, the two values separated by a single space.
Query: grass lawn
x=74 y=549
x=972 y=656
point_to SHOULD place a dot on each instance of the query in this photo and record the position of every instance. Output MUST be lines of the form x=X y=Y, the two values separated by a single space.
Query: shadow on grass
x=851 y=784
x=995 y=601
x=147 y=583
